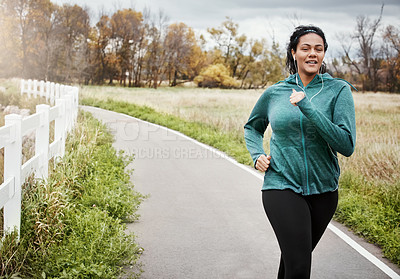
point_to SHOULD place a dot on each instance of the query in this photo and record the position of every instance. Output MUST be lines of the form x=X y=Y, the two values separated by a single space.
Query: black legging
x=298 y=222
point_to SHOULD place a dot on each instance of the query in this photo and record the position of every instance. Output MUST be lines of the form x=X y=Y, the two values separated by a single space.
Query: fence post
x=41 y=88
x=35 y=91
x=52 y=94
x=59 y=126
x=12 y=168
x=76 y=103
x=48 y=84
x=57 y=96
x=29 y=91
x=68 y=112
x=62 y=90
x=22 y=86
x=42 y=141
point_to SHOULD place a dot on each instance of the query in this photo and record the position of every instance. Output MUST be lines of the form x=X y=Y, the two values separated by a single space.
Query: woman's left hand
x=296 y=97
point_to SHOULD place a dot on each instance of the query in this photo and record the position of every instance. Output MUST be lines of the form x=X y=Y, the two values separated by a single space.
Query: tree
x=225 y=36
x=140 y=49
x=11 y=43
x=183 y=53
x=45 y=18
x=73 y=32
x=266 y=66
x=18 y=14
x=99 y=40
x=391 y=64
x=370 y=61
x=126 y=25
x=231 y=47
x=156 y=53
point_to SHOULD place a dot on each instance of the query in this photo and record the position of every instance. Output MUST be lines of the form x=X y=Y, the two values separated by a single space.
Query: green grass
x=73 y=224
x=230 y=143
x=369 y=202
x=371 y=210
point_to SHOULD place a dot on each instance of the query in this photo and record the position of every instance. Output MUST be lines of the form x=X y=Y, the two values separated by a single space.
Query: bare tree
x=391 y=64
x=295 y=19
x=369 y=61
x=156 y=54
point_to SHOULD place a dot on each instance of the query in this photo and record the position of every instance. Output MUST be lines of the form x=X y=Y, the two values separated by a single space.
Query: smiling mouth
x=312 y=62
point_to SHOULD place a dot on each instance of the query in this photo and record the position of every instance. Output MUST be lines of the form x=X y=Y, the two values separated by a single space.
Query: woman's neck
x=306 y=79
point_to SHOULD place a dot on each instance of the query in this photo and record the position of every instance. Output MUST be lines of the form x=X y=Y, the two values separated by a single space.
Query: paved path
x=204 y=217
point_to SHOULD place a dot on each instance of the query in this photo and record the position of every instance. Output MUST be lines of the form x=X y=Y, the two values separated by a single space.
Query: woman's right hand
x=263 y=162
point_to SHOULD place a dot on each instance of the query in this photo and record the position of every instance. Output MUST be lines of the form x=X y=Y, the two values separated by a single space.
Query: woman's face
x=309 y=54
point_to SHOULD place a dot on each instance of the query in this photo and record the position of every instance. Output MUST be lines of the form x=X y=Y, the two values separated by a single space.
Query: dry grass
x=226 y=109
x=378 y=137
x=10 y=95
x=377 y=114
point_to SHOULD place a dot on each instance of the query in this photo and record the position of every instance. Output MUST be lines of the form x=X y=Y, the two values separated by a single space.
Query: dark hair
x=294 y=41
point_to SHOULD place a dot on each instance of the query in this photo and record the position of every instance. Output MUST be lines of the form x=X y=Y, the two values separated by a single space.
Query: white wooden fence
x=63 y=112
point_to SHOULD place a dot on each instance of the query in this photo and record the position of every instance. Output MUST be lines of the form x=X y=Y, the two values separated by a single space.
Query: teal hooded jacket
x=305 y=138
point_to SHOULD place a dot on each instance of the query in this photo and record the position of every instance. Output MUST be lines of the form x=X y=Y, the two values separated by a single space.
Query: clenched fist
x=296 y=97
x=263 y=162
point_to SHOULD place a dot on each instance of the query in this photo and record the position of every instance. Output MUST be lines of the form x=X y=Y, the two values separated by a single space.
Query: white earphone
x=303 y=89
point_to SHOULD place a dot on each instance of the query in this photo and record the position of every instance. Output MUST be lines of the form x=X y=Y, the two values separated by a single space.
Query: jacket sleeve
x=340 y=133
x=255 y=128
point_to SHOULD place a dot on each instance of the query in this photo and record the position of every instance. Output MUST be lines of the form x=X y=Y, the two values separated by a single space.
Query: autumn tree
x=256 y=50
x=230 y=46
x=156 y=53
x=239 y=60
x=139 y=51
x=183 y=54
x=224 y=36
x=17 y=17
x=44 y=15
x=10 y=48
x=266 y=66
x=126 y=28
x=73 y=32
x=99 y=42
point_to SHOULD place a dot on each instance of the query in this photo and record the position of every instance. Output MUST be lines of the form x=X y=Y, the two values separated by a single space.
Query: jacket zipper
x=303 y=141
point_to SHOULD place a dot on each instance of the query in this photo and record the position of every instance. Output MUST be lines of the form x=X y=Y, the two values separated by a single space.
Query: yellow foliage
x=216 y=75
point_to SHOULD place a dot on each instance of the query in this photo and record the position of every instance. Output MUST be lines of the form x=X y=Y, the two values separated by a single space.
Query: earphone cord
x=303 y=89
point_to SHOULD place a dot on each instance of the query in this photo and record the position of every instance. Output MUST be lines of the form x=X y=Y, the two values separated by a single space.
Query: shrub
x=216 y=76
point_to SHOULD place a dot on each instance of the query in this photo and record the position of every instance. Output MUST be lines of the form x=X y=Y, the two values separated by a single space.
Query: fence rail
x=63 y=112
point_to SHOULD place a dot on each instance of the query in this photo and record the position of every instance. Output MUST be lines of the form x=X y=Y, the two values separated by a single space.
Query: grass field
x=370 y=181
x=378 y=120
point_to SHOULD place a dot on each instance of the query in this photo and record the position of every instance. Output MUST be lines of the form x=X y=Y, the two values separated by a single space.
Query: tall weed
x=65 y=232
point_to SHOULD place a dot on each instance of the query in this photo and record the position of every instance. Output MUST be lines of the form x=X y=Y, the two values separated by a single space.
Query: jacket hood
x=317 y=79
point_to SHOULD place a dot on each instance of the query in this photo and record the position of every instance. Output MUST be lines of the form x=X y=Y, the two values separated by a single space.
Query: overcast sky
x=260 y=18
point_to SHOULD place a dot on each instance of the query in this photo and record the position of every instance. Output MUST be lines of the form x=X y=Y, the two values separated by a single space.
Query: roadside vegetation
x=73 y=224
x=370 y=181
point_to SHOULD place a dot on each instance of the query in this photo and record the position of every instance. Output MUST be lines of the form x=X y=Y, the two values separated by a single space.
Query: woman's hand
x=296 y=97
x=263 y=162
